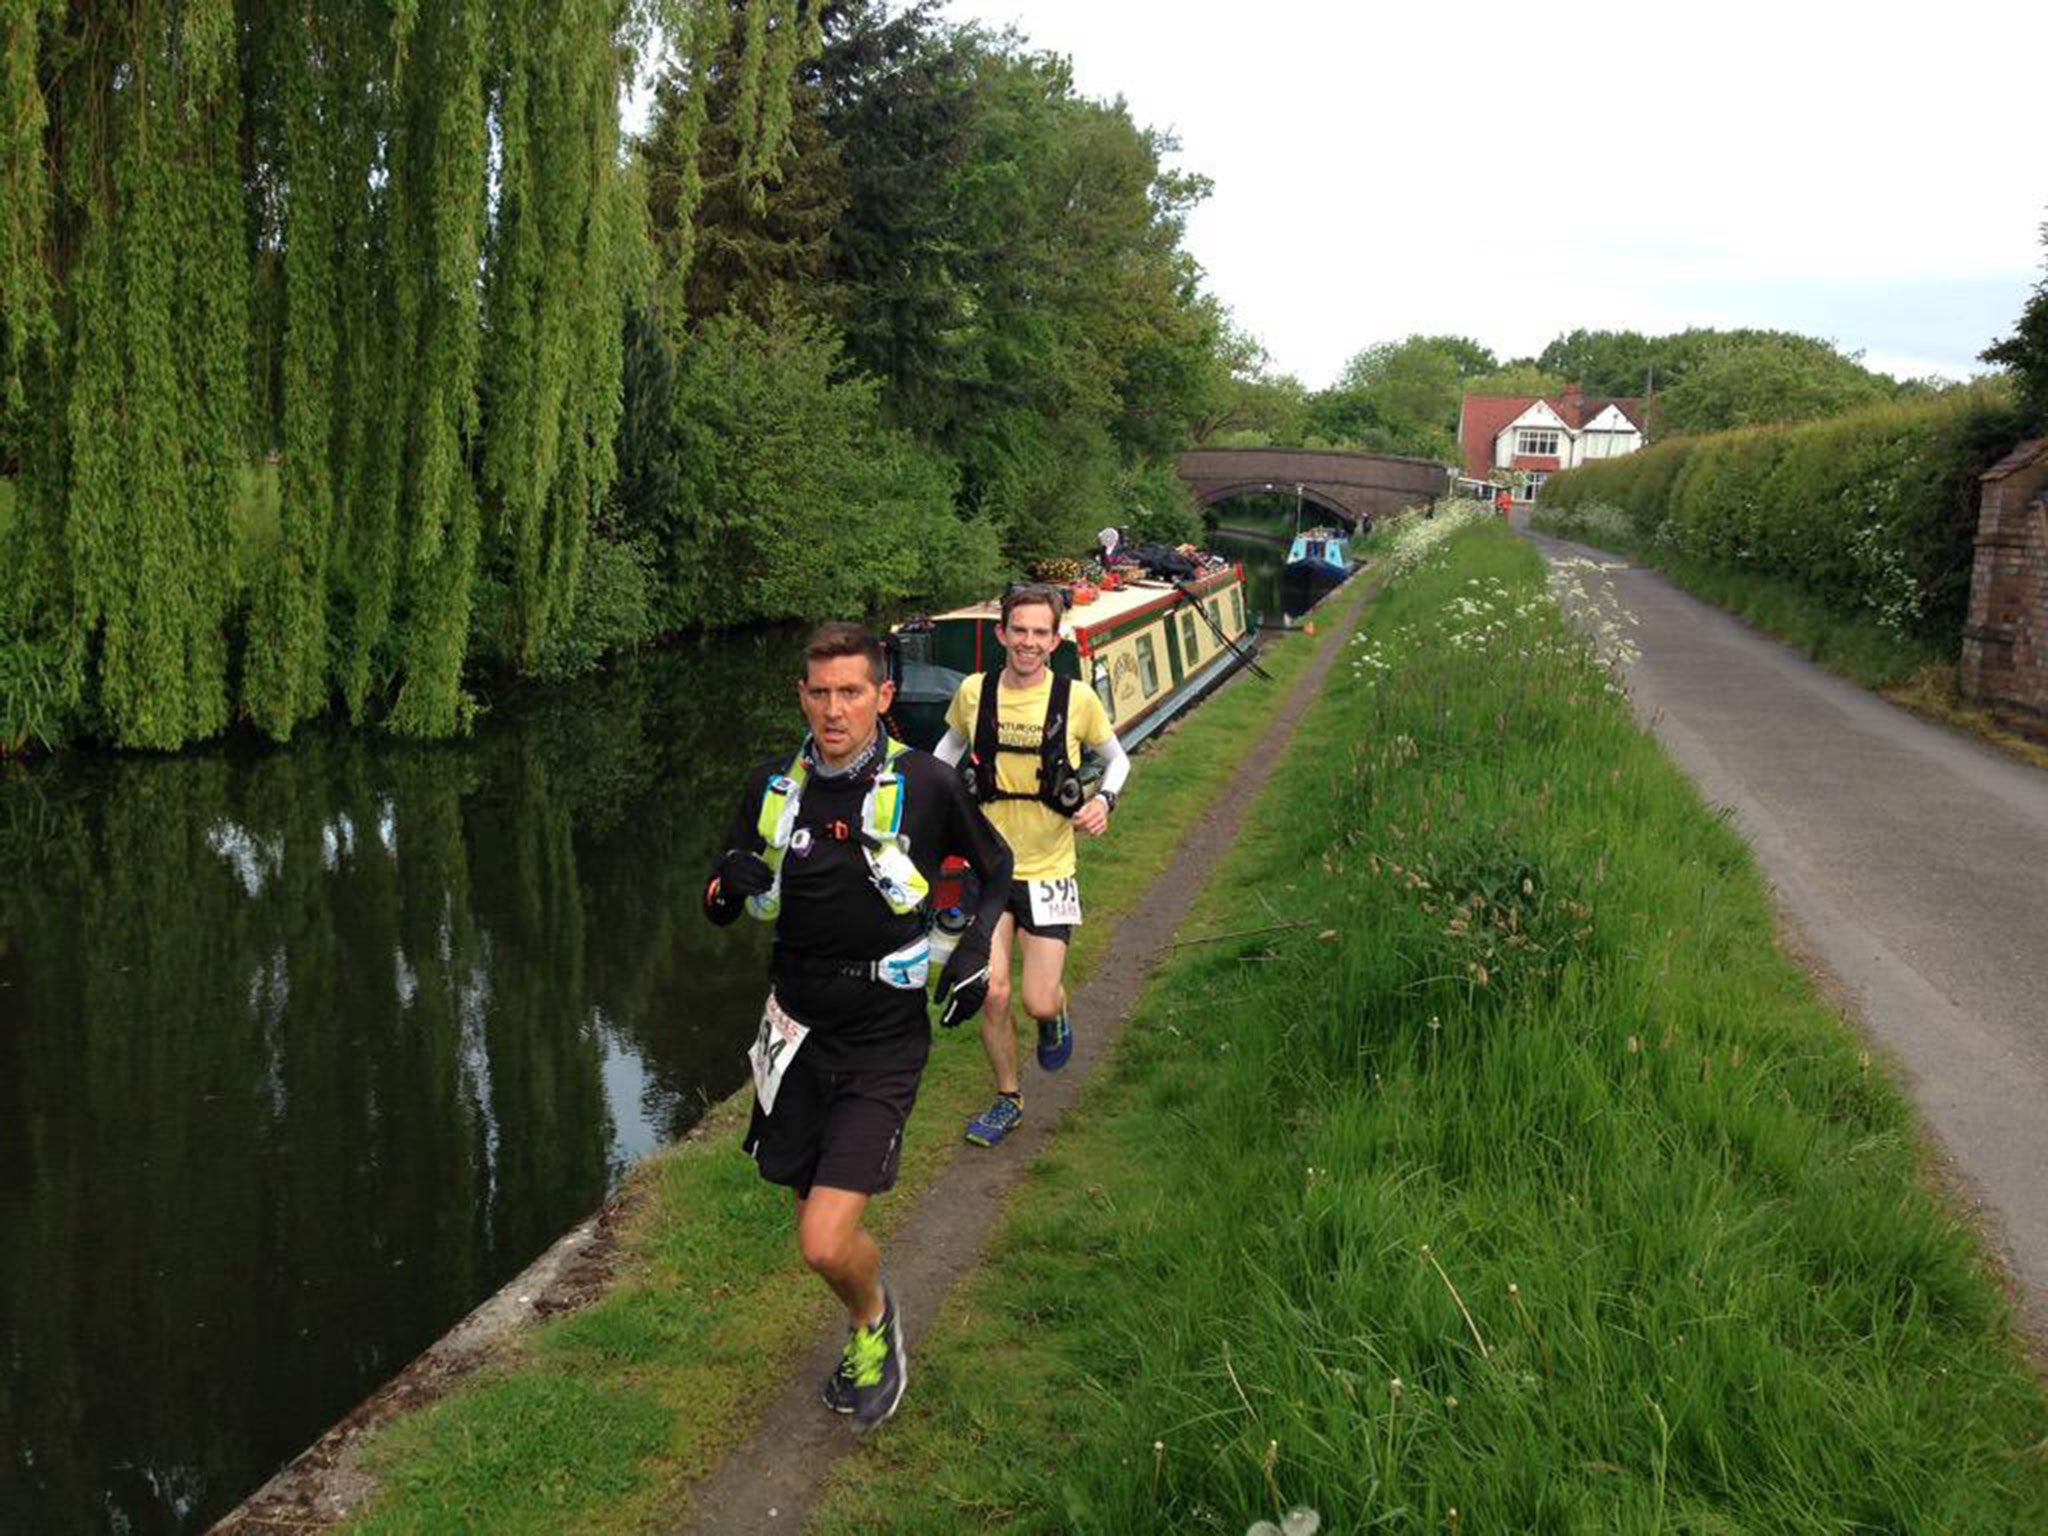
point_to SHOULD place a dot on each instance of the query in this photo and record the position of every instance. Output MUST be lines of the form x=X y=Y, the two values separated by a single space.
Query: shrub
x=1599 y=523
x=613 y=608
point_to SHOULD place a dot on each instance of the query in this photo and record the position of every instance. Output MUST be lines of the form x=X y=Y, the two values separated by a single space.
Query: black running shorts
x=1020 y=909
x=843 y=1130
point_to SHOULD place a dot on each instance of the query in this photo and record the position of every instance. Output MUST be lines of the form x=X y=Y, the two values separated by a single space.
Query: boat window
x=1148 y=666
x=1216 y=612
x=1187 y=638
x=1105 y=692
x=1237 y=605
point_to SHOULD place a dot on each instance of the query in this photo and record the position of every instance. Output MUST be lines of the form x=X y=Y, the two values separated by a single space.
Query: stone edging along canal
x=783 y=1464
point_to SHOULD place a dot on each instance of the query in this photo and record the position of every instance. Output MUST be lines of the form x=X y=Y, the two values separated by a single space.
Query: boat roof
x=1107 y=608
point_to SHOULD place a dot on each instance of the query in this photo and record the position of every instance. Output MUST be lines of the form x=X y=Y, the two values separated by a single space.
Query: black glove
x=742 y=874
x=963 y=984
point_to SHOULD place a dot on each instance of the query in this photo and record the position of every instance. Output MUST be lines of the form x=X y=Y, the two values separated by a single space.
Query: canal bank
x=710 y=1303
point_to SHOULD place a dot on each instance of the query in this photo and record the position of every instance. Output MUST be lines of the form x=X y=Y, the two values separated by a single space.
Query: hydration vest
x=882 y=842
x=1059 y=784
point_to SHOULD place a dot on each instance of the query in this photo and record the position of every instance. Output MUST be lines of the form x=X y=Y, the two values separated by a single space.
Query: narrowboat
x=1317 y=560
x=1150 y=647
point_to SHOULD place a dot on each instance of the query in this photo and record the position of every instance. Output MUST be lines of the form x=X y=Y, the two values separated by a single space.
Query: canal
x=304 y=1052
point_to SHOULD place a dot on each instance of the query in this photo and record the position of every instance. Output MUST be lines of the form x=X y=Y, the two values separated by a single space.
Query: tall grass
x=1522 y=1186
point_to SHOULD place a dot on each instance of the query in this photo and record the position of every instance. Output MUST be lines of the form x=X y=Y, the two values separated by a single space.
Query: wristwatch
x=1108 y=798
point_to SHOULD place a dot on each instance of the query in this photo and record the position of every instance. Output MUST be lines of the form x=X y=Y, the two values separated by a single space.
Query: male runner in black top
x=839 y=847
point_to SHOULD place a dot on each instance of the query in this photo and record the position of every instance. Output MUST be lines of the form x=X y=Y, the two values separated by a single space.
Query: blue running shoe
x=995 y=1122
x=1055 y=1042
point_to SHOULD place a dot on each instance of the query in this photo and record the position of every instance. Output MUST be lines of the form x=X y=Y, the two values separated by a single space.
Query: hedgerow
x=1874 y=511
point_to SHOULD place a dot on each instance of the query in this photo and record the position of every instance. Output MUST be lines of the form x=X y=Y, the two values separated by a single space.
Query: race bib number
x=1056 y=902
x=772 y=1051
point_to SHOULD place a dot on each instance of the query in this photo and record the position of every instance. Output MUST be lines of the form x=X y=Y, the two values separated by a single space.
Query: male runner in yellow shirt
x=1032 y=793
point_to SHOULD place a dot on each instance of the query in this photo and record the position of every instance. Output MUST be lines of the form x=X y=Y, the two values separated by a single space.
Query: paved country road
x=1913 y=859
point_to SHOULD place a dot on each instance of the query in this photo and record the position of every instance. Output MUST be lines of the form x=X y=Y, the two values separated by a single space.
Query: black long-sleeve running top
x=832 y=911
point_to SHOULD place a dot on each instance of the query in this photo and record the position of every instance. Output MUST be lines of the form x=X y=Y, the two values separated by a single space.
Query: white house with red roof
x=1544 y=434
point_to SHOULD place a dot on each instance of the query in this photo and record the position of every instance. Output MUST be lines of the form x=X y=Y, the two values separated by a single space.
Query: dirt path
x=773 y=1480
x=1910 y=859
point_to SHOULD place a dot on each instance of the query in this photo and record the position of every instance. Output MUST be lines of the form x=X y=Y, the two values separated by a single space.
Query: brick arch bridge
x=1344 y=485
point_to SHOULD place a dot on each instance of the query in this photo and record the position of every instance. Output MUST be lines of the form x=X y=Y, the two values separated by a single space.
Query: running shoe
x=839 y=1386
x=995 y=1122
x=1055 y=1042
x=874 y=1366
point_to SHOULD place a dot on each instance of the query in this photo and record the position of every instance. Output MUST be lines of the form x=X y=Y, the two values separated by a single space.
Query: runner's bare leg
x=839 y=1249
x=1045 y=961
x=998 y=1032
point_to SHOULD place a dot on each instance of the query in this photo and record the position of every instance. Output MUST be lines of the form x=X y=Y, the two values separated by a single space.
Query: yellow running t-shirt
x=1040 y=837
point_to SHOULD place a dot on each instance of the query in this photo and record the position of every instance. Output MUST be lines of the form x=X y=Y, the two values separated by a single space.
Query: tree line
x=348 y=354
x=1403 y=397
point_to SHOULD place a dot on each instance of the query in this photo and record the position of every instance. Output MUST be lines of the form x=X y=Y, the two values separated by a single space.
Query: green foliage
x=795 y=499
x=408 y=229
x=1401 y=397
x=763 y=174
x=897 y=96
x=1154 y=504
x=1707 y=380
x=1873 y=512
x=1767 y=381
x=1517 y=379
x=2025 y=352
x=32 y=696
x=393 y=262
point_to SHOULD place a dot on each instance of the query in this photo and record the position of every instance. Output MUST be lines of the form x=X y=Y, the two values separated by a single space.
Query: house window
x=1148 y=666
x=1187 y=638
x=1531 y=486
x=1537 y=442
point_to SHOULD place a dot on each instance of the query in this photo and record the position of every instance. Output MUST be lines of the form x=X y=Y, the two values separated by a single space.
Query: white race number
x=772 y=1051
x=1056 y=902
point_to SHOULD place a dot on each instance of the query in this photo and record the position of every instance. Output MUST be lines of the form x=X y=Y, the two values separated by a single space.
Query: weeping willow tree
x=122 y=277
x=409 y=224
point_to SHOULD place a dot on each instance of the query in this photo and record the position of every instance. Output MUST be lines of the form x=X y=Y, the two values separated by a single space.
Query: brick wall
x=2005 y=642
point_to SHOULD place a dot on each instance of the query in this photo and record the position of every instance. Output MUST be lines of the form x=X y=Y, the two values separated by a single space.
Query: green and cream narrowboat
x=1149 y=648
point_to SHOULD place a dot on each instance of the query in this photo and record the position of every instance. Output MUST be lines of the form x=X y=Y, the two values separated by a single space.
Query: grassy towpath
x=1525 y=1186
x=604 y=1420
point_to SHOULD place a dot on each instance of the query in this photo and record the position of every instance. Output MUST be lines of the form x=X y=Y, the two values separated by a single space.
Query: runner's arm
x=1116 y=763
x=951 y=748
x=722 y=908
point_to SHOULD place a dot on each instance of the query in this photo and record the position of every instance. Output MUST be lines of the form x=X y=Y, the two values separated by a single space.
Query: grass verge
x=712 y=1304
x=1913 y=674
x=1524 y=1186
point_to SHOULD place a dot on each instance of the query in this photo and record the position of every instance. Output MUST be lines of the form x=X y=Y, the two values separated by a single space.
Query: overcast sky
x=1508 y=172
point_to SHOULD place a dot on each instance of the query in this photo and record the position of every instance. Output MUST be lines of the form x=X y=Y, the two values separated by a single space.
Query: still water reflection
x=305 y=1052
